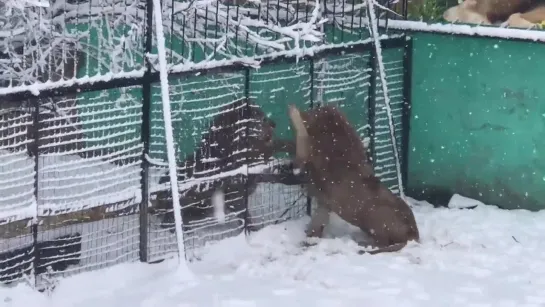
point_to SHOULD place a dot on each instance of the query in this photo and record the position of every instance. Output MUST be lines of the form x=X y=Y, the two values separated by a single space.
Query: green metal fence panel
x=341 y=79
x=119 y=108
x=383 y=156
x=194 y=101
x=275 y=87
x=478 y=120
x=344 y=80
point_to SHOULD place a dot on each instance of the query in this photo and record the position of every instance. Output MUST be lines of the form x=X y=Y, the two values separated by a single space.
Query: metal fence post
x=246 y=110
x=311 y=105
x=406 y=111
x=371 y=105
x=145 y=135
x=405 y=9
x=35 y=147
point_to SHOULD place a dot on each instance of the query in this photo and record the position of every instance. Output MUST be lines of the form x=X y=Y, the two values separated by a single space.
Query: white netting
x=88 y=169
x=16 y=169
x=386 y=106
x=86 y=195
x=193 y=110
x=193 y=106
x=384 y=158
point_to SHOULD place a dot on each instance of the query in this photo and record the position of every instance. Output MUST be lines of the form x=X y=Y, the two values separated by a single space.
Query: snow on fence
x=83 y=181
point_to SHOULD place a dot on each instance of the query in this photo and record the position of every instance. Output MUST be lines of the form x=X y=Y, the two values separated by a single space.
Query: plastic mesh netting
x=383 y=156
x=77 y=157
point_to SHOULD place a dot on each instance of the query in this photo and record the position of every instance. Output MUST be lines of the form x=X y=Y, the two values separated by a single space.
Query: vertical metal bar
x=196 y=15
x=216 y=27
x=311 y=72
x=405 y=9
x=334 y=21
x=246 y=110
x=172 y=36
x=256 y=48
x=34 y=227
x=237 y=27
x=388 y=6
x=342 y=22
x=406 y=111
x=247 y=38
x=371 y=105
x=169 y=138
x=145 y=135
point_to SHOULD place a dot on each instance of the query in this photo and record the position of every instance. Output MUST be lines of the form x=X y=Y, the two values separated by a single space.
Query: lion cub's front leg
x=318 y=221
x=315 y=229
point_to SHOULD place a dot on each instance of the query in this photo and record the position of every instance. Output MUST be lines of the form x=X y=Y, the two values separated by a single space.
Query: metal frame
x=145 y=136
x=406 y=112
x=149 y=77
x=371 y=104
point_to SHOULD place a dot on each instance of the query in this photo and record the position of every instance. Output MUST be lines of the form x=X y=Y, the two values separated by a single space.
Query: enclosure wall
x=477 y=120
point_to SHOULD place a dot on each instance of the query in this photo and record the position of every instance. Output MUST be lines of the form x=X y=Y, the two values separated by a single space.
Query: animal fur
x=529 y=19
x=489 y=11
x=222 y=149
x=330 y=152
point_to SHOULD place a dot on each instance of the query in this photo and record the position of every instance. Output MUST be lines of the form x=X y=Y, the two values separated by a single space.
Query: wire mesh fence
x=83 y=176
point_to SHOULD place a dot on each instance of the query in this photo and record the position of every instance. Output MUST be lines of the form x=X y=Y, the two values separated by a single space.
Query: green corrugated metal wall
x=478 y=120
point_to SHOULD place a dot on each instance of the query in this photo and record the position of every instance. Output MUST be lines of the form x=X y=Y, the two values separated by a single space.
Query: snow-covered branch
x=30 y=45
x=51 y=40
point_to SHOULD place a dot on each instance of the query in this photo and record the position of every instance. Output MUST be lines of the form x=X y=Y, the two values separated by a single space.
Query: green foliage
x=429 y=10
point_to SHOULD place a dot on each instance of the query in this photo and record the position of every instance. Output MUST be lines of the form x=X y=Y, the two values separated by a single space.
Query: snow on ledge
x=37 y=87
x=506 y=33
x=255 y=61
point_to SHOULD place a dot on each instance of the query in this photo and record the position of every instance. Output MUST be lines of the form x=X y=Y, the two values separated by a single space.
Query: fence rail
x=82 y=151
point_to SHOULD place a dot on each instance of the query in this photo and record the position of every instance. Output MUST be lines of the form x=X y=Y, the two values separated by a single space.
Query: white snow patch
x=480 y=257
x=218 y=201
x=462 y=202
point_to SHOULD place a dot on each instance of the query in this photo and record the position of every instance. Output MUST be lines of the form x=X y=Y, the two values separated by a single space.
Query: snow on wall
x=470 y=30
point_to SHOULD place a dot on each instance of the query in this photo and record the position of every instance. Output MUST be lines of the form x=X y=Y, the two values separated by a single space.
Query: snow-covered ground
x=479 y=257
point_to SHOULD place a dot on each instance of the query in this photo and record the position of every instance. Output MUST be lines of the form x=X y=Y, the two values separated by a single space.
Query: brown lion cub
x=331 y=154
